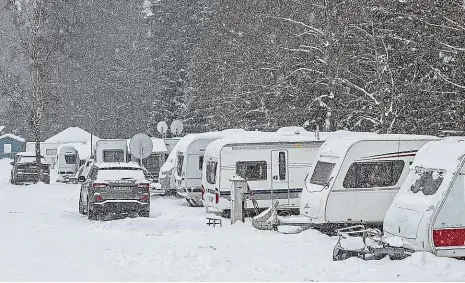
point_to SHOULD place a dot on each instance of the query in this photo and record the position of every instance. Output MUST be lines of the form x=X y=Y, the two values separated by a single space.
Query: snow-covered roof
x=442 y=154
x=72 y=135
x=284 y=135
x=186 y=141
x=214 y=148
x=338 y=146
x=11 y=136
x=117 y=164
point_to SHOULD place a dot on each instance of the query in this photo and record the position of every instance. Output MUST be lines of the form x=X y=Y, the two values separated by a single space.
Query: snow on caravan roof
x=214 y=148
x=338 y=147
x=443 y=154
x=271 y=137
x=186 y=141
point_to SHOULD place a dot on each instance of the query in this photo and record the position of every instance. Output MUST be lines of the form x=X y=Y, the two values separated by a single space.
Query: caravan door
x=279 y=176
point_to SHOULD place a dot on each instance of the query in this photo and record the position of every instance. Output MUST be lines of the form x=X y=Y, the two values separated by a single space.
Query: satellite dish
x=141 y=146
x=176 y=127
x=162 y=127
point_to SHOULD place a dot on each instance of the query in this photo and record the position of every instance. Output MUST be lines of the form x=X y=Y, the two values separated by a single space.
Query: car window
x=120 y=173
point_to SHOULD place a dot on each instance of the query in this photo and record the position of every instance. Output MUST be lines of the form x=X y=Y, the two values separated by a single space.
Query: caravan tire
x=227 y=213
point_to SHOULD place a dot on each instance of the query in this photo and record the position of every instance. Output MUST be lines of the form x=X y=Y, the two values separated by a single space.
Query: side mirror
x=12 y=163
x=81 y=178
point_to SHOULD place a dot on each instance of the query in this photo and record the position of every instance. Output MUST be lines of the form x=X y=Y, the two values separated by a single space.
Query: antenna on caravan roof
x=162 y=128
x=176 y=127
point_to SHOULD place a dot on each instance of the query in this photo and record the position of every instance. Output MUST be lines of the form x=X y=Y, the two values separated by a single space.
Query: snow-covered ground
x=43 y=237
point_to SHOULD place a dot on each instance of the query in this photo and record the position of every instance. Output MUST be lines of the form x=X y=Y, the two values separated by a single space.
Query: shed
x=10 y=145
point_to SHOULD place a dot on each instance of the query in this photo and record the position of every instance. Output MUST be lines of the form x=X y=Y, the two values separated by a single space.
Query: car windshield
x=322 y=173
x=427 y=181
x=119 y=173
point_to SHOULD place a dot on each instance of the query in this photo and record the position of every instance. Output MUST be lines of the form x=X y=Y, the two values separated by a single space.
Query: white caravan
x=355 y=179
x=189 y=162
x=273 y=165
x=67 y=162
x=428 y=212
x=111 y=150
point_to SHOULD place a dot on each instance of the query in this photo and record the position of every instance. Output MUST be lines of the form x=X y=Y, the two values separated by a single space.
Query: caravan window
x=211 y=172
x=70 y=158
x=322 y=172
x=200 y=162
x=282 y=165
x=113 y=155
x=252 y=170
x=51 y=151
x=180 y=163
x=427 y=181
x=373 y=174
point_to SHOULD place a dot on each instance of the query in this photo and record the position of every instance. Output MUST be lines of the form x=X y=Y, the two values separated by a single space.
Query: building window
x=373 y=174
x=252 y=170
x=7 y=148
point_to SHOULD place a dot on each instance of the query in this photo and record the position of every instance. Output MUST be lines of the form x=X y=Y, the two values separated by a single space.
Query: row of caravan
x=412 y=186
x=276 y=167
x=71 y=157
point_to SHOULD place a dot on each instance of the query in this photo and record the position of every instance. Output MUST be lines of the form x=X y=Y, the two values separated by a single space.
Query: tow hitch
x=365 y=243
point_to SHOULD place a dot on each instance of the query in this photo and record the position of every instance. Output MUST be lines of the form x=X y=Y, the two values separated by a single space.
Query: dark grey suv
x=120 y=188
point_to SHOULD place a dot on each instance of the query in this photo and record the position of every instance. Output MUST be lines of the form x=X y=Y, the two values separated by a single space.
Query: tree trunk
x=36 y=129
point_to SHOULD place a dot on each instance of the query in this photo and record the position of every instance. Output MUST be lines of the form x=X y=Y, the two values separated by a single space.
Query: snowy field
x=44 y=238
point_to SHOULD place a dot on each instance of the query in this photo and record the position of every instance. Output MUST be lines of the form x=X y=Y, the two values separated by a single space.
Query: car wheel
x=145 y=213
x=81 y=207
x=90 y=213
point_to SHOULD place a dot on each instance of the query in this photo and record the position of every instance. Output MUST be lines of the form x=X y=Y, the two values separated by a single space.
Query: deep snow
x=43 y=237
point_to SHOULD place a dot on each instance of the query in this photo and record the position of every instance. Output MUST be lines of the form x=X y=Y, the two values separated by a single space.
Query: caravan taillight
x=449 y=237
x=217 y=197
x=202 y=192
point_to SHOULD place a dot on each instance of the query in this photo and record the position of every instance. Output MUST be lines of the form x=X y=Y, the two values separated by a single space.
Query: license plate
x=121 y=189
